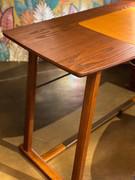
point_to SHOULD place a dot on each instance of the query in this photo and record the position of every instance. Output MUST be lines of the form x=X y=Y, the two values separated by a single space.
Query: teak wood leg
x=88 y=109
x=91 y=89
x=26 y=148
x=30 y=101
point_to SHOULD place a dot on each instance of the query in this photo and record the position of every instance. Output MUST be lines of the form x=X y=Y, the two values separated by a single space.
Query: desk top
x=68 y=45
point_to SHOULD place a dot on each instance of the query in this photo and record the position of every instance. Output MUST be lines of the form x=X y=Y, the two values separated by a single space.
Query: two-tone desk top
x=83 y=44
x=72 y=47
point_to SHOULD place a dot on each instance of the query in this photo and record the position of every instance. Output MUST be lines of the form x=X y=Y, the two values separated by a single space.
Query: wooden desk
x=80 y=51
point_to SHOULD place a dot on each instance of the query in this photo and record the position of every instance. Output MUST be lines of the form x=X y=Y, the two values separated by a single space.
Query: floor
x=111 y=150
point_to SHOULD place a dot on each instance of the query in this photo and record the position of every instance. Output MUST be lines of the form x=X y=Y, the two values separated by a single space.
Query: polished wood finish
x=54 y=152
x=89 y=104
x=26 y=148
x=63 y=42
x=30 y=101
x=40 y=163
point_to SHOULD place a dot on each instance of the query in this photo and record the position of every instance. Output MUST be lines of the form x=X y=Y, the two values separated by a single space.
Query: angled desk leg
x=91 y=89
x=26 y=148
x=92 y=85
x=30 y=101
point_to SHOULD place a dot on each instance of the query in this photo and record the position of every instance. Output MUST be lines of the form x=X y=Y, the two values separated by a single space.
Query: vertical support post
x=30 y=101
x=91 y=89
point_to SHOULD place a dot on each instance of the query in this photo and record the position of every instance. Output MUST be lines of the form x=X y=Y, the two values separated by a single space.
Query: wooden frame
x=92 y=85
x=79 y=51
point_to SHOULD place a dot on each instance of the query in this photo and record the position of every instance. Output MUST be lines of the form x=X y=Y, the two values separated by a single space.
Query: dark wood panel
x=71 y=47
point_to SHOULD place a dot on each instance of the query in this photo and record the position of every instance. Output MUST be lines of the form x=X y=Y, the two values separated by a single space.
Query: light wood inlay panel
x=119 y=25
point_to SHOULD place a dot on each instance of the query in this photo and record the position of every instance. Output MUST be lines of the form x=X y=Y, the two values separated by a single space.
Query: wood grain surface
x=80 y=51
